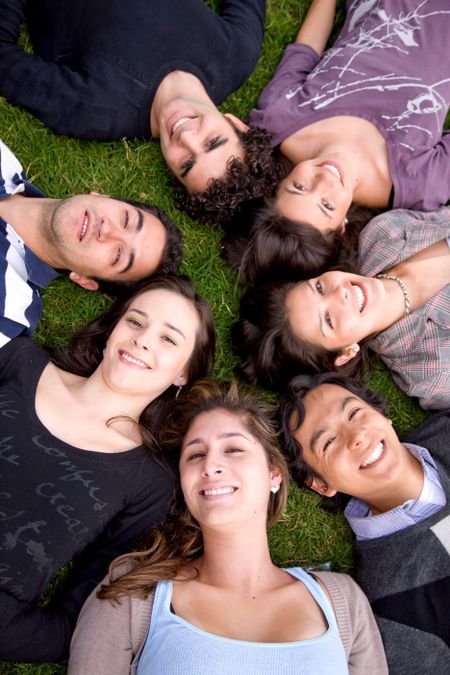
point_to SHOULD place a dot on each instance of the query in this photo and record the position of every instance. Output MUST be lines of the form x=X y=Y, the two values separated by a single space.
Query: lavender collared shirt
x=432 y=498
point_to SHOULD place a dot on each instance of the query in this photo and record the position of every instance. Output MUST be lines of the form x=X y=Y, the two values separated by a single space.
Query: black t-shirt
x=56 y=500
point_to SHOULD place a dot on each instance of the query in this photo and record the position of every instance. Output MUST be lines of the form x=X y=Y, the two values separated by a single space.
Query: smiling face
x=97 y=236
x=350 y=445
x=315 y=193
x=197 y=141
x=336 y=310
x=225 y=474
x=151 y=344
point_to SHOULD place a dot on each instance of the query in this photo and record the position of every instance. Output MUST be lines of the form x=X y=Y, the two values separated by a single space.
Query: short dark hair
x=269 y=352
x=282 y=249
x=291 y=407
x=85 y=351
x=250 y=179
x=171 y=257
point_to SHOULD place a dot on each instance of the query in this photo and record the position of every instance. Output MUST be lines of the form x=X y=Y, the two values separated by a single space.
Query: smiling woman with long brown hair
x=206 y=596
x=81 y=472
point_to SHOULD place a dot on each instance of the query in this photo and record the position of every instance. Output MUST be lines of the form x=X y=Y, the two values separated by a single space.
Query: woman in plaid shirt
x=400 y=309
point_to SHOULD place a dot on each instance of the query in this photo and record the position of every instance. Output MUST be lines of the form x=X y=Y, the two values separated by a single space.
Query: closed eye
x=126 y=221
x=134 y=322
x=167 y=338
x=327 y=443
x=117 y=256
x=233 y=450
x=186 y=167
x=353 y=413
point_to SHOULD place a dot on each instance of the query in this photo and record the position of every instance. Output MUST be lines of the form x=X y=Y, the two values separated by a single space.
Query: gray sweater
x=406 y=575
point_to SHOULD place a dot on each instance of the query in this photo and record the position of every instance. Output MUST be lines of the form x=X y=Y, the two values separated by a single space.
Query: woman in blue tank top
x=206 y=597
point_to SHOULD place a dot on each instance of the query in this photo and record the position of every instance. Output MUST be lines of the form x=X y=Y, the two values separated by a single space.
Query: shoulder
x=21 y=354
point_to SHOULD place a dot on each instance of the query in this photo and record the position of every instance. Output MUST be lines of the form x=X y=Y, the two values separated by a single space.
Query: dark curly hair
x=246 y=181
x=291 y=415
x=269 y=352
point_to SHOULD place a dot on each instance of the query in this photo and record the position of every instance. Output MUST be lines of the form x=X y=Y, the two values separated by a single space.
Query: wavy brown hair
x=179 y=541
x=86 y=347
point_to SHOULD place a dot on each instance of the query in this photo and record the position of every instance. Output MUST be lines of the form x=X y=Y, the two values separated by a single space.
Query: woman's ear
x=181 y=380
x=347 y=354
x=322 y=488
x=276 y=477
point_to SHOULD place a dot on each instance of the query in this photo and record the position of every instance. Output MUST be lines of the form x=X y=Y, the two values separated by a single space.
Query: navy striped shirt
x=22 y=273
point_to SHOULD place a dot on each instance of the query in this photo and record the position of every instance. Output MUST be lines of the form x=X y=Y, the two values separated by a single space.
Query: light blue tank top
x=176 y=647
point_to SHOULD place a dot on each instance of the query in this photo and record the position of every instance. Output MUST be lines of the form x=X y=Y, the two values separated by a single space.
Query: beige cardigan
x=109 y=636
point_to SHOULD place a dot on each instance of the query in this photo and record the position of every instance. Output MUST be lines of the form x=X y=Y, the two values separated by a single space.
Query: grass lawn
x=135 y=169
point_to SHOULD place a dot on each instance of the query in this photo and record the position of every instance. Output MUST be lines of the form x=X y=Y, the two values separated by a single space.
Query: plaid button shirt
x=417 y=348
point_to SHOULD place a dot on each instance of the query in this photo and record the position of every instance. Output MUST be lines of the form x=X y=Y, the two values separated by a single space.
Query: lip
x=132 y=361
x=218 y=491
x=356 y=296
x=378 y=453
x=334 y=169
x=179 y=122
x=84 y=226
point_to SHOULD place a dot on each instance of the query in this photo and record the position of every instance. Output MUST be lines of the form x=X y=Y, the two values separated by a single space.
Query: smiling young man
x=339 y=441
x=147 y=68
x=95 y=238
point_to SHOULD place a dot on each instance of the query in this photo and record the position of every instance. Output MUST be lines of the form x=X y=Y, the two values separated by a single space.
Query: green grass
x=135 y=169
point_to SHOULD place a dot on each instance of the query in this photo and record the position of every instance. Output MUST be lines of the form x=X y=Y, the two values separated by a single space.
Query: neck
x=238 y=561
x=177 y=84
x=408 y=486
x=103 y=403
x=26 y=215
x=394 y=308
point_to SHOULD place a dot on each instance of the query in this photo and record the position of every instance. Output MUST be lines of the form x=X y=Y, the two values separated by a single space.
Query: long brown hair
x=180 y=540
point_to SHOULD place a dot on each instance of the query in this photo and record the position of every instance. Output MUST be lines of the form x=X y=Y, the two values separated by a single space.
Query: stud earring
x=274 y=489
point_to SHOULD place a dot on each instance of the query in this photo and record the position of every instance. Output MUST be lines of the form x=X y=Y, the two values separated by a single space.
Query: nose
x=141 y=342
x=211 y=466
x=108 y=231
x=189 y=139
x=356 y=436
x=342 y=294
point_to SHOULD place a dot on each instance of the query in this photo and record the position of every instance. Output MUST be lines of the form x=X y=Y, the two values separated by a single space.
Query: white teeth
x=359 y=297
x=218 y=491
x=131 y=359
x=374 y=455
x=333 y=169
x=84 y=228
x=179 y=123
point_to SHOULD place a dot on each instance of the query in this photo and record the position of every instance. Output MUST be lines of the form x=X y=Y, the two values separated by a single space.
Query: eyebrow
x=230 y=434
x=139 y=226
x=317 y=435
x=313 y=290
x=223 y=141
x=302 y=194
x=166 y=324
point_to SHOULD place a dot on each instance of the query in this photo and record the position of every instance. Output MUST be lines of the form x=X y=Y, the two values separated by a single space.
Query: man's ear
x=347 y=354
x=242 y=126
x=85 y=282
x=319 y=486
x=181 y=380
